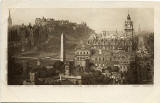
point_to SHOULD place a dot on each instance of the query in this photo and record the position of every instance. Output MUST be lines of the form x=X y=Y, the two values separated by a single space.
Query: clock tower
x=128 y=27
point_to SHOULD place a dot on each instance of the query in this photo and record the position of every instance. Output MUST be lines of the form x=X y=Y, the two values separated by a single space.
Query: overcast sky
x=98 y=19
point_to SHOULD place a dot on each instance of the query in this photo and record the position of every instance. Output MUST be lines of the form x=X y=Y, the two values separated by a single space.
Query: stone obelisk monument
x=62 y=55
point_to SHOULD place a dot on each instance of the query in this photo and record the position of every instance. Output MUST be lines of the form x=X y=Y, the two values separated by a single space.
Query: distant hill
x=44 y=40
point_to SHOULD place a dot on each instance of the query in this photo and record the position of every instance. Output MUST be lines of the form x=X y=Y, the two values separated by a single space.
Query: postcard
x=97 y=49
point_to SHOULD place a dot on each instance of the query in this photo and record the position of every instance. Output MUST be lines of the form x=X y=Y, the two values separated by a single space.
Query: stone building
x=122 y=60
x=114 y=40
x=101 y=59
x=82 y=55
x=144 y=69
x=111 y=41
x=50 y=22
x=129 y=27
x=113 y=48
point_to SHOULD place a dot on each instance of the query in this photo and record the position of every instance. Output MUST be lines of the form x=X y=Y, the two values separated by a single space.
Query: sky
x=99 y=19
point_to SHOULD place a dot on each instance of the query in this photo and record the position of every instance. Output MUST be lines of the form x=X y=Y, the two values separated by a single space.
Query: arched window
x=88 y=42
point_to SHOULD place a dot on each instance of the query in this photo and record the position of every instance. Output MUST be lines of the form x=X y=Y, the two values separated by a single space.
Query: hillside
x=44 y=40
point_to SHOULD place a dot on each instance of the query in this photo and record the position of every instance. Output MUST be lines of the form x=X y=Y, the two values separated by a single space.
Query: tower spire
x=9 y=19
x=128 y=17
x=9 y=13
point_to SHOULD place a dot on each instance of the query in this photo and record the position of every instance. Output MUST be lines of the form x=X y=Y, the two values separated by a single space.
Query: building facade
x=82 y=55
x=101 y=59
x=113 y=48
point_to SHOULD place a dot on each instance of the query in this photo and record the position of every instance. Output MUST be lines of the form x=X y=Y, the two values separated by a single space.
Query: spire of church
x=9 y=20
x=128 y=17
x=142 y=50
x=9 y=14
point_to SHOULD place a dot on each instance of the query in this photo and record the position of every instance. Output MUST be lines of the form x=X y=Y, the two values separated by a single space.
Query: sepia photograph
x=80 y=46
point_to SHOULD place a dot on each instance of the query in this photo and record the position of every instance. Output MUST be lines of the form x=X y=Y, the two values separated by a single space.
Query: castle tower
x=62 y=52
x=9 y=20
x=129 y=26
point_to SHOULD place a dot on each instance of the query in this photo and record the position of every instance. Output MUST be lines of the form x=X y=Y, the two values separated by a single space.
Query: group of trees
x=31 y=36
x=44 y=72
x=91 y=76
x=27 y=35
x=95 y=78
x=149 y=43
x=15 y=71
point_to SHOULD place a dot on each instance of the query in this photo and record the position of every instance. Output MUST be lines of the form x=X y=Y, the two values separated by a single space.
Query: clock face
x=128 y=25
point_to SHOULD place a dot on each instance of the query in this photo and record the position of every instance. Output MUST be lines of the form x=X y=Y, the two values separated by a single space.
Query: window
x=100 y=51
x=103 y=58
x=103 y=65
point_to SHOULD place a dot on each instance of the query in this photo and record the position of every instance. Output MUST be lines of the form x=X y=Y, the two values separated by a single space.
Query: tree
x=15 y=71
x=59 y=66
x=95 y=78
x=91 y=67
x=131 y=77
